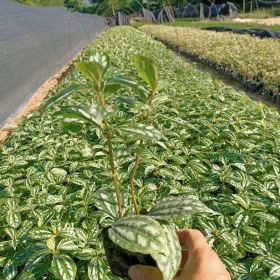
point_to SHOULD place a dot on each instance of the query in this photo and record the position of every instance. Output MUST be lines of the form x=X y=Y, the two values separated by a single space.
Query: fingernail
x=134 y=271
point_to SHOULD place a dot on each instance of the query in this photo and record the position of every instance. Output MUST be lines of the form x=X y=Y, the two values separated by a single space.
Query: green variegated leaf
x=102 y=59
x=208 y=225
x=97 y=269
x=251 y=230
x=230 y=265
x=140 y=234
x=174 y=207
x=12 y=203
x=59 y=174
x=13 y=219
x=3 y=261
x=240 y=218
x=113 y=72
x=78 y=116
x=64 y=267
x=178 y=121
x=169 y=265
x=34 y=271
x=92 y=70
x=252 y=246
x=125 y=100
x=270 y=261
x=105 y=199
x=85 y=254
x=267 y=217
x=67 y=244
x=243 y=200
x=116 y=81
x=97 y=113
x=140 y=132
x=70 y=90
x=53 y=199
x=147 y=68
x=41 y=233
x=51 y=243
x=10 y=271
x=71 y=122
x=275 y=272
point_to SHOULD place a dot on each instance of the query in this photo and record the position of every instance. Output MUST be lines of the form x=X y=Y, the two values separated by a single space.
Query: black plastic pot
x=119 y=259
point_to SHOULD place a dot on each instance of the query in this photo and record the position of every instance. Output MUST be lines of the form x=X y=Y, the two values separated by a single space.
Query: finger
x=184 y=258
x=192 y=239
x=182 y=236
x=183 y=261
x=140 y=272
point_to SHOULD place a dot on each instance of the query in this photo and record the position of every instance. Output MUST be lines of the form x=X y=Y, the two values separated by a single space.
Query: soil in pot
x=119 y=259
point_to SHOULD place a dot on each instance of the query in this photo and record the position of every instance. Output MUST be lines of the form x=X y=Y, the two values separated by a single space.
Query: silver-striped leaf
x=275 y=272
x=13 y=219
x=10 y=270
x=174 y=207
x=141 y=234
x=97 y=269
x=67 y=244
x=267 y=217
x=64 y=267
x=41 y=233
x=105 y=199
x=140 y=132
x=169 y=265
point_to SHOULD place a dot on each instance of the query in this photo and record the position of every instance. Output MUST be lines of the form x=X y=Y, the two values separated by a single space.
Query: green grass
x=220 y=147
x=227 y=23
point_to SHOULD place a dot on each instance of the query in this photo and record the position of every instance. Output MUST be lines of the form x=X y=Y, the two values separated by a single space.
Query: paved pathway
x=34 y=47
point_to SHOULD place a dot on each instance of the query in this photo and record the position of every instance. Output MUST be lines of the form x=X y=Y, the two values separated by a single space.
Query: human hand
x=199 y=261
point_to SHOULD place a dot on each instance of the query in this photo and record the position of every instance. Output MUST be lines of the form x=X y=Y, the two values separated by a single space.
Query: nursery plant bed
x=251 y=59
x=220 y=147
x=268 y=97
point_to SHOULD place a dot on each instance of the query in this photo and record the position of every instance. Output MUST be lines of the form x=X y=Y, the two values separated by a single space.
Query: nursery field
x=227 y=23
x=218 y=146
x=255 y=59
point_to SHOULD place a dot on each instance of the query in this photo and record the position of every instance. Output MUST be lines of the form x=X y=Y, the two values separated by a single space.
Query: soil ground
x=267 y=21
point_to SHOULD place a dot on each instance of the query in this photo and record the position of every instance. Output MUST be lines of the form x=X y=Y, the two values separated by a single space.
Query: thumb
x=140 y=272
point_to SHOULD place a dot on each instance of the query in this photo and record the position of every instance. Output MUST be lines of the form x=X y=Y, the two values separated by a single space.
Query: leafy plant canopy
x=211 y=148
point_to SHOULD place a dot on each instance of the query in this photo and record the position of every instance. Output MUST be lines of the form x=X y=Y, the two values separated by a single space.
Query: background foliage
x=220 y=147
x=41 y=3
x=110 y=7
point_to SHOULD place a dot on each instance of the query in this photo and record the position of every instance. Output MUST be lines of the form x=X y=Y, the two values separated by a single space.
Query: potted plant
x=133 y=237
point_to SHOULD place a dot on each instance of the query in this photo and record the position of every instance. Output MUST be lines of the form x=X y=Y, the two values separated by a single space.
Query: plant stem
x=132 y=182
x=111 y=155
x=138 y=156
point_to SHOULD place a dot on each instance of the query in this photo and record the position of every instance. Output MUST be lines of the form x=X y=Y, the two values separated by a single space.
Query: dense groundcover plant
x=256 y=59
x=218 y=147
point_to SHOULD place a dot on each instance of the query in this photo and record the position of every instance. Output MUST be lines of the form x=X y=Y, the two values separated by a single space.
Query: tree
x=110 y=7
x=41 y=3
